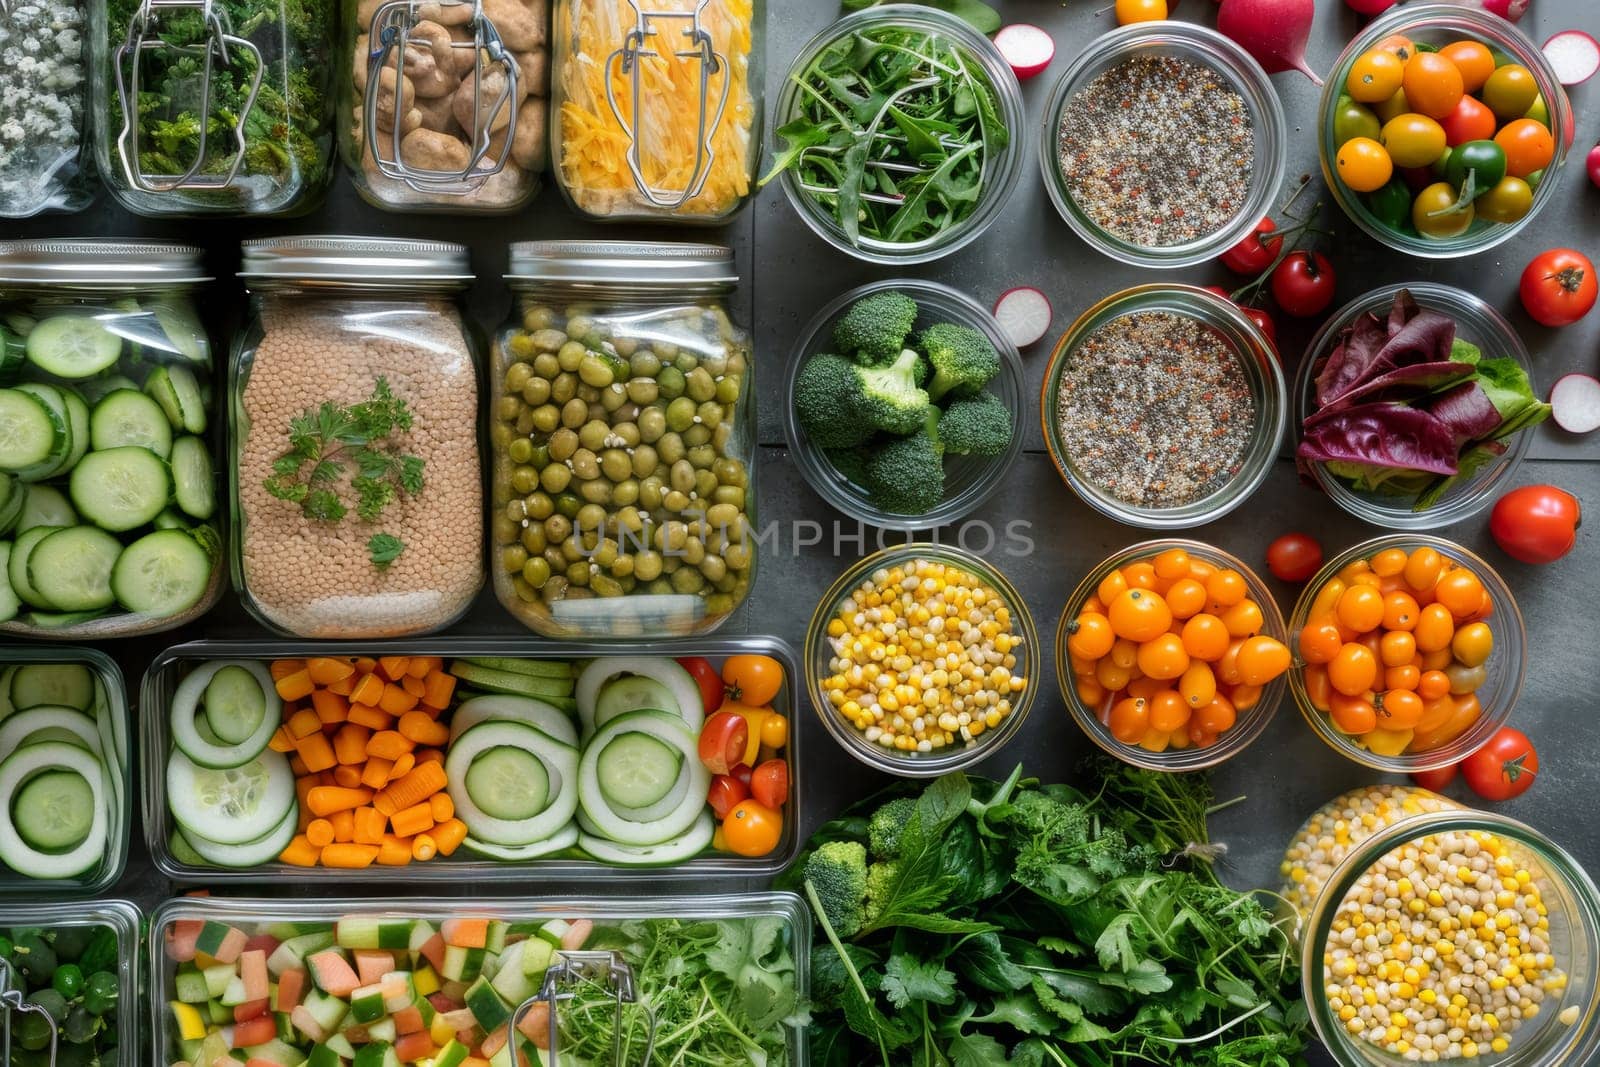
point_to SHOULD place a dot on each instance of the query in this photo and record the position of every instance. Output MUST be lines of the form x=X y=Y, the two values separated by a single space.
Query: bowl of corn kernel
x=921 y=659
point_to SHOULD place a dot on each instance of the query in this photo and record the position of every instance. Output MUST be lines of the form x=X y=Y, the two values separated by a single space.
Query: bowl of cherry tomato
x=1172 y=655
x=1409 y=653
x=1444 y=130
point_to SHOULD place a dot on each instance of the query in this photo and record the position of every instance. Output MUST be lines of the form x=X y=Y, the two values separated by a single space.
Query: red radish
x=1575 y=403
x=1369 y=7
x=1273 y=31
x=1028 y=49
x=1023 y=314
x=1573 y=55
x=1593 y=164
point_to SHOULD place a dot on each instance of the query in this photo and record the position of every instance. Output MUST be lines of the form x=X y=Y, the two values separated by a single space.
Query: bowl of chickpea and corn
x=921 y=659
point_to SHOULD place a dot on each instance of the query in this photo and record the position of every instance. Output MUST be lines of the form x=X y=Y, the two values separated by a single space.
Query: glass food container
x=44 y=113
x=110 y=495
x=612 y=967
x=103 y=1017
x=214 y=107
x=624 y=441
x=354 y=401
x=494 y=681
x=63 y=741
x=1434 y=932
x=656 y=106
x=473 y=76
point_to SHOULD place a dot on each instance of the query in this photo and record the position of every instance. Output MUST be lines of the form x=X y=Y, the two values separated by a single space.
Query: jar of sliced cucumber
x=107 y=485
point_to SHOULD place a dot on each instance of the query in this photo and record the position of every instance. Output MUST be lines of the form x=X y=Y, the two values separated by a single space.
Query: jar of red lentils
x=1429 y=932
x=354 y=403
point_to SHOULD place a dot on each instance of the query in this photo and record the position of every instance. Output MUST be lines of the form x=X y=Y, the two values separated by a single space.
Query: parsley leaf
x=384 y=549
x=907 y=978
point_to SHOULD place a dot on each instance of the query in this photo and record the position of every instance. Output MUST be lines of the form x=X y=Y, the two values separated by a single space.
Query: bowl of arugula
x=896 y=138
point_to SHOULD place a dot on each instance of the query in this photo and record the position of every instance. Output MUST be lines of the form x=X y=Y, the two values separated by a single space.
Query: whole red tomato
x=1536 y=523
x=1504 y=768
x=1294 y=557
x=1303 y=284
x=1252 y=255
x=706 y=677
x=1436 y=780
x=1263 y=320
x=1558 y=287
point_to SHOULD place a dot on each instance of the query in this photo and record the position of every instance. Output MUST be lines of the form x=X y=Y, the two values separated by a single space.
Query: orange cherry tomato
x=752 y=680
x=1261 y=659
x=1400 y=611
x=1432 y=84
x=1405 y=676
x=1422 y=568
x=1436 y=711
x=1460 y=591
x=1464 y=710
x=1472 y=644
x=1437 y=660
x=1244 y=697
x=1361 y=608
x=1398 y=709
x=1227 y=668
x=1327 y=599
x=1090 y=635
x=1389 y=562
x=1528 y=145
x=1197 y=685
x=1155 y=741
x=1433 y=684
x=1205 y=637
x=1141 y=575
x=1163 y=656
x=1139 y=615
x=1111 y=586
x=1094 y=604
x=1090 y=691
x=752 y=829
x=1353 y=670
x=1146 y=687
x=1473 y=59
x=1227 y=587
x=1217 y=716
x=1353 y=570
x=1318 y=689
x=1435 y=627
x=1130 y=718
x=1397 y=649
x=1112 y=678
x=1199 y=736
x=1081 y=666
x=1200 y=570
x=1399 y=44
x=1173 y=563
x=1244 y=619
x=1185 y=598
x=1124 y=653
x=1374 y=76
x=1168 y=711
x=1352 y=714
x=1320 y=641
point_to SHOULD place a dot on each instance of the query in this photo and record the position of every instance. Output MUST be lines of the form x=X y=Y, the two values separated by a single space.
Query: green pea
x=512 y=557
x=537 y=391
x=699 y=385
x=548 y=340
x=537 y=318
x=709 y=414
x=644 y=363
x=568 y=505
x=705 y=483
x=652 y=424
x=671 y=382
x=728 y=494
x=615 y=464
x=546 y=417
x=520 y=450
x=555 y=478
x=613 y=397
x=506 y=408
x=533 y=539
x=578 y=573
x=536 y=571
x=524 y=480
x=686 y=361
x=680 y=414
x=596 y=491
x=687 y=580
x=540 y=506
x=595 y=371
x=547 y=366
x=728 y=389
x=643 y=391
x=517 y=376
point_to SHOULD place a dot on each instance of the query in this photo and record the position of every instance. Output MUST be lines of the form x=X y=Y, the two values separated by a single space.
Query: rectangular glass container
x=124 y=919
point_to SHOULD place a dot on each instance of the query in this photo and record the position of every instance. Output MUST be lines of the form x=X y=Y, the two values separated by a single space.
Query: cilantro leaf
x=384 y=549
x=975 y=1050
x=1019 y=1011
x=907 y=978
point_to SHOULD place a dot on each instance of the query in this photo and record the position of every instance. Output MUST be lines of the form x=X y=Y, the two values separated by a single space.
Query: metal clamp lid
x=605 y=266
x=12 y=1000
x=574 y=973
x=391 y=27
x=381 y=263
x=143 y=36
x=634 y=48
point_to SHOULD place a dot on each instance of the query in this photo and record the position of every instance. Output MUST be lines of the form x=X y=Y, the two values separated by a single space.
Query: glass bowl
x=1262 y=371
x=969 y=480
x=1000 y=177
x=1439 y=24
x=1250 y=723
x=819 y=652
x=1566 y=1029
x=1476 y=322
x=1506 y=665
x=1197 y=44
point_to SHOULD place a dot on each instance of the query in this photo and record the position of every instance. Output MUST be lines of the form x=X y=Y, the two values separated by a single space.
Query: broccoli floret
x=850 y=463
x=828 y=402
x=837 y=870
x=880 y=886
x=891 y=400
x=963 y=359
x=905 y=475
x=980 y=426
x=886 y=825
x=876 y=327
x=921 y=372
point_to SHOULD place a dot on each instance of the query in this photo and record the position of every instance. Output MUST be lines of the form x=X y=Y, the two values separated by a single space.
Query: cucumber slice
x=560 y=763
x=636 y=770
x=73 y=346
x=513 y=682
x=688 y=845
x=602 y=811
x=54 y=810
x=77 y=427
x=13 y=354
x=668 y=802
x=679 y=682
x=10 y=603
x=508 y=783
x=563 y=838
x=632 y=692
x=61 y=456
x=128 y=417
x=71 y=569
x=21 y=766
x=45 y=505
x=162 y=574
x=185 y=335
x=539 y=668
x=172 y=519
x=50 y=722
x=31 y=432
x=175 y=389
x=66 y=684
x=60 y=620
x=183 y=852
x=17 y=564
x=263 y=849
x=233 y=805
x=93 y=391
x=193 y=485
x=235 y=708
x=13 y=500
x=545 y=718
x=121 y=488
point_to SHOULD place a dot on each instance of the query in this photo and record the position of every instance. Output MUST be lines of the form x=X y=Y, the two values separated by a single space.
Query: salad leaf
x=1467 y=410
x=1424 y=337
x=1473 y=460
x=1506 y=385
x=979 y=15
x=1382 y=435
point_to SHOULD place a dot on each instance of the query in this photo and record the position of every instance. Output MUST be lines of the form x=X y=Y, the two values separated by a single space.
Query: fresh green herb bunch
x=984 y=923
x=329 y=442
x=895 y=133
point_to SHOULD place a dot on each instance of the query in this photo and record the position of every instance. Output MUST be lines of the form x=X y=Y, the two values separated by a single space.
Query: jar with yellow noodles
x=656 y=106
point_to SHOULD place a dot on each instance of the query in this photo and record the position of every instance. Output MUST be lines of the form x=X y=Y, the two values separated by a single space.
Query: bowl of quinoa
x=1163 y=406
x=1162 y=144
x=1434 y=933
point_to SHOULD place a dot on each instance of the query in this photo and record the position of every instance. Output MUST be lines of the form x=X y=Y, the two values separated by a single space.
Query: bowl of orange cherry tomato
x=1410 y=653
x=1172 y=655
x=1444 y=130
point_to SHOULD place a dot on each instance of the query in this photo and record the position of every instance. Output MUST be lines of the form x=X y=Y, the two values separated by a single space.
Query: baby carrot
x=300 y=853
x=320 y=832
x=282 y=668
x=423 y=847
x=367 y=691
x=296 y=686
x=393 y=666
x=369 y=826
x=370 y=717
x=327 y=799
x=330 y=707
x=424 y=780
x=395 y=851
x=353 y=857
x=376 y=773
x=408 y=822
x=282 y=740
x=437 y=689
x=448 y=835
x=350 y=743
x=442 y=807
x=396 y=700
x=347 y=776
x=344 y=824
x=414 y=686
x=419 y=727
x=389 y=744
x=304 y=723
x=325 y=670
x=316 y=752
x=402 y=766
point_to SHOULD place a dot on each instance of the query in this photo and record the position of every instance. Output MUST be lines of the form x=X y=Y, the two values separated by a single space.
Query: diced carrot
x=418 y=726
x=394 y=851
x=350 y=857
x=344 y=686
x=390 y=744
x=298 y=765
x=327 y=799
x=257 y=1031
x=296 y=686
x=300 y=852
x=330 y=706
x=316 y=752
x=376 y=773
x=430 y=755
x=253 y=973
x=432 y=950
x=347 y=776
x=325 y=670
x=413 y=686
x=408 y=1020
x=448 y=835
x=282 y=668
x=368 y=690
x=442 y=806
x=395 y=700
x=281 y=741
x=393 y=667
x=402 y=766
x=370 y=826
x=350 y=743
x=304 y=724
x=344 y=825
x=465 y=933
x=320 y=832
x=423 y=847
x=494 y=1041
x=408 y=822
x=424 y=780
x=182 y=939
x=370 y=717
x=410 y=1048
x=438 y=689
x=291 y=987
x=372 y=964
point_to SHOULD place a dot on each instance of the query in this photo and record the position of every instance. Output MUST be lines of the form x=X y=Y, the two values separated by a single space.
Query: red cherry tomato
x=725 y=794
x=1220 y=291
x=706 y=677
x=1303 y=284
x=1294 y=557
x=1536 y=523
x=1252 y=255
x=1559 y=287
x=1436 y=780
x=769 y=783
x=1263 y=320
x=1504 y=768
x=1470 y=121
x=741 y=774
x=722 y=741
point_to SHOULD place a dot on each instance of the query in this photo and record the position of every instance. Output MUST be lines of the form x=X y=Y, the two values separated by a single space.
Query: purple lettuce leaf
x=1381 y=435
x=1368 y=350
x=1403 y=383
x=1468 y=411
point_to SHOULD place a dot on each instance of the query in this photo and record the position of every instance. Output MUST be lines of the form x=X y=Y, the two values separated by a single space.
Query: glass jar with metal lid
x=465 y=131
x=623 y=433
x=656 y=106
x=353 y=420
x=109 y=522
x=214 y=107
x=44 y=113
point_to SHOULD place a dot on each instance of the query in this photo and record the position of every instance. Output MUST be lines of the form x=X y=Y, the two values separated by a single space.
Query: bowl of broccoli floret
x=903 y=401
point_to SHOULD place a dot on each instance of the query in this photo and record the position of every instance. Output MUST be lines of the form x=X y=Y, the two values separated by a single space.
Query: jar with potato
x=624 y=440
x=443 y=103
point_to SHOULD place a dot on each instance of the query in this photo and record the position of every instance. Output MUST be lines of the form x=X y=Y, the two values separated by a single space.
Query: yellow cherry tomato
x=1413 y=140
x=1392 y=108
x=1374 y=76
x=1140 y=11
x=1434 y=214
x=1473 y=643
x=1507 y=200
x=775 y=731
x=1435 y=628
x=1364 y=165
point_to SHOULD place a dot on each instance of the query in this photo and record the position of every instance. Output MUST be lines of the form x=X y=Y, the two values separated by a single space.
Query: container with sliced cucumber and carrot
x=108 y=514
x=444 y=756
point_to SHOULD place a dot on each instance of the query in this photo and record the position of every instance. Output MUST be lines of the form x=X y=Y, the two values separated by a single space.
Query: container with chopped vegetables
x=44 y=107
x=108 y=491
x=623 y=439
x=1434 y=933
x=656 y=106
x=69 y=987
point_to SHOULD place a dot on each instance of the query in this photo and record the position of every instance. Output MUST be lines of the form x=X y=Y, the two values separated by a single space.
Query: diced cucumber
x=128 y=417
x=527 y=685
x=383 y=1030
x=328 y=1011
x=73 y=346
x=486 y=1005
x=234 y=994
x=537 y=955
x=189 y=986
x=494 y=939
x=162 y=574
x=361 y=931
x=292 y=952
x=510 y=981
x=275 y=1051
x=71 y=568
x=45 y=505
x=121 y=488
x=366 y=1004
x=376 y=1054
x=462 y=964
x=193 y=483
x=32 y=433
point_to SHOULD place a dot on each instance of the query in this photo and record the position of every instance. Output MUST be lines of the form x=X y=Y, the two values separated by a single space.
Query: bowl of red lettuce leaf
x=1412 y=402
